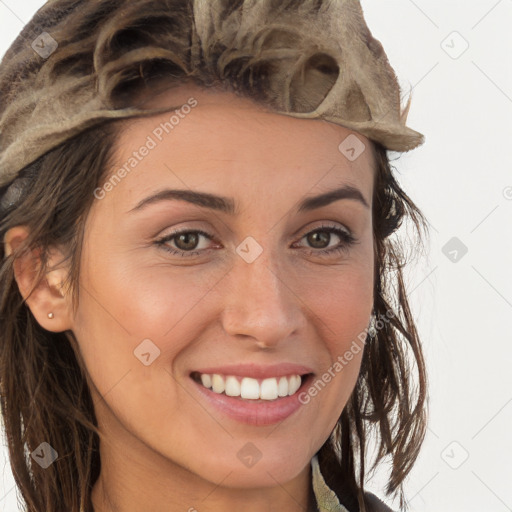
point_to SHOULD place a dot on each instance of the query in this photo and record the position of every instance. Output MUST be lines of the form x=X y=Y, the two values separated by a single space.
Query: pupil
x=186 y=236
x=319 y=234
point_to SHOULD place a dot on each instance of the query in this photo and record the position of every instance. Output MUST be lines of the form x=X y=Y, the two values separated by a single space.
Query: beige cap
x=319 y=60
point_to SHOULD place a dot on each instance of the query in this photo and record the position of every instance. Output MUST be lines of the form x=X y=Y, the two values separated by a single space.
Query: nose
x=260 y=303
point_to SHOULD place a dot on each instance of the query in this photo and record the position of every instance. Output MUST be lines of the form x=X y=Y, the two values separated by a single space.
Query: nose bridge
x=260 y=302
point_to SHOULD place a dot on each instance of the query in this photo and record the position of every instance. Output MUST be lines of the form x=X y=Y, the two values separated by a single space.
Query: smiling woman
x=202 y=301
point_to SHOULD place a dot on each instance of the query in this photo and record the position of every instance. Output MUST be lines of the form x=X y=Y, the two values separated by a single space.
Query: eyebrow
x=227 y=205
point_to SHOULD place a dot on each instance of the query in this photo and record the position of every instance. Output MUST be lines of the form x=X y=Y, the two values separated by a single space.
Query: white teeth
x=218 y=385
x=252 y=389
x=294 y=384
x=268 y=389
x=232 y=386
x=282 y=389
x=206 y=380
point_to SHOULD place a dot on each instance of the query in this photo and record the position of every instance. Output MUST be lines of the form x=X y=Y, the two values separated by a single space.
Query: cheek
x=133 y=294
x=131 y=326
x=119 y=311
x=340 y=307
x=126 y=302
x=342 y=299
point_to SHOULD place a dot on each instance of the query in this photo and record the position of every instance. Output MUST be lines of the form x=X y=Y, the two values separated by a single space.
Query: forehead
x=232 y=109
x=236 y=139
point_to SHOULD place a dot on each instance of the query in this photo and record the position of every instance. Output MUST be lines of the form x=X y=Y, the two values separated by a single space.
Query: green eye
x=192 y=237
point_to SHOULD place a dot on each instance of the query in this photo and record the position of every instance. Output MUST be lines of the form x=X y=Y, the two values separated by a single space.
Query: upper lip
x=258 y=371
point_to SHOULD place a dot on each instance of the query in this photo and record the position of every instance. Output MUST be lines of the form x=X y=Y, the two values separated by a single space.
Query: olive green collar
x=326 y=499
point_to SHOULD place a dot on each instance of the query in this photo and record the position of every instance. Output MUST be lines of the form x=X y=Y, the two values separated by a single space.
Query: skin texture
x=165 y=447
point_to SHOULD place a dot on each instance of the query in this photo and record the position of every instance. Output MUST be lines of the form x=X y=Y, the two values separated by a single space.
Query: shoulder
x=376 y=505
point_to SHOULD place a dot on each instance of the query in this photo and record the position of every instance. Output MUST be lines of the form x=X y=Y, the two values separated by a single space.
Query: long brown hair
x=43 y=384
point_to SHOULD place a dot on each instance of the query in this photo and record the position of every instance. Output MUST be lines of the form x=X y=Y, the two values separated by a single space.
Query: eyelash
x=348 y=240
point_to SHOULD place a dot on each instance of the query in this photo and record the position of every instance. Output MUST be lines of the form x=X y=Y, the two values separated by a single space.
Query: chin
x=254 y=468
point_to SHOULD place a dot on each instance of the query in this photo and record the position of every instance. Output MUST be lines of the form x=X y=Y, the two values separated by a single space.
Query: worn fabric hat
x=70 y=67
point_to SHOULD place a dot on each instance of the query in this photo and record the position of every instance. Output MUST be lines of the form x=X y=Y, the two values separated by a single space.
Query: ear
x=48 y=301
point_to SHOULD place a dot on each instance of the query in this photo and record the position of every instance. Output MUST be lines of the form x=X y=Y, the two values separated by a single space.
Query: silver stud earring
x=50 y=315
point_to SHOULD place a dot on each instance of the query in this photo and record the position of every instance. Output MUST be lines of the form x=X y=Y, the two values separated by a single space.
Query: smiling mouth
x=248 y=388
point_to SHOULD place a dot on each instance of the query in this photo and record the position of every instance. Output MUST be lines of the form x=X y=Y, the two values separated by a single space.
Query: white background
x=461 y=178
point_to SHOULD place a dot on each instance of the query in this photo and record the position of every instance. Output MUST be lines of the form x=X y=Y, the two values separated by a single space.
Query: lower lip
x=253 y=412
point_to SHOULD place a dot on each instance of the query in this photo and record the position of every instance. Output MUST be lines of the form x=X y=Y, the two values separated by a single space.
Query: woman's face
x=256 y=288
